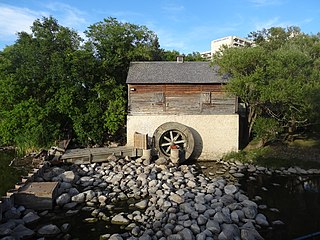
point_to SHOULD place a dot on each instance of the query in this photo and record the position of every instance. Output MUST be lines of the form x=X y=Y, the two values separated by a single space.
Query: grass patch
x=304 y=153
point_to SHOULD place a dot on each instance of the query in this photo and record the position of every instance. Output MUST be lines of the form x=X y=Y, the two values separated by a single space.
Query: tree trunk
x=252 y=115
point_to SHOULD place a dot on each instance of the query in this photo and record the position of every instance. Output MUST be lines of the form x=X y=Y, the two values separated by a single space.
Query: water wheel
x=174 y=135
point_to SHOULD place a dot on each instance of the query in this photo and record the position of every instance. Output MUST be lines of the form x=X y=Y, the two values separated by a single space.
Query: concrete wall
x=214 y=134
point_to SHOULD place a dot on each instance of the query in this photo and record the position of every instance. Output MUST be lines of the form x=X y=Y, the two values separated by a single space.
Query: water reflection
x=8 y=175
x=297 y=198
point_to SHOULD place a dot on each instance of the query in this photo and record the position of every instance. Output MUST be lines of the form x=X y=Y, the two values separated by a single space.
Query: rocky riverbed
x=159 y=200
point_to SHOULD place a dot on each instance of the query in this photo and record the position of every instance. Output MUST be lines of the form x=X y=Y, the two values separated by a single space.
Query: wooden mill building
x=188 y=93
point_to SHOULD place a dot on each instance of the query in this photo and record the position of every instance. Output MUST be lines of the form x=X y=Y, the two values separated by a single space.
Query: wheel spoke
x=165 y=144
x=178 y=142
x=168 y=139
x=171 y=136
x=176 y=137
x=168 y=149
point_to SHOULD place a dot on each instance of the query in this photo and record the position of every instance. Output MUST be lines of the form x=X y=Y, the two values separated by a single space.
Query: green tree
x=276 y=78
x=54 y=85
x=33 y=71
x=116 y=44
x=195 y=56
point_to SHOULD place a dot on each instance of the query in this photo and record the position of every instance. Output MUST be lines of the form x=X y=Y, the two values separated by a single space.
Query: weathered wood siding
x=167 y=99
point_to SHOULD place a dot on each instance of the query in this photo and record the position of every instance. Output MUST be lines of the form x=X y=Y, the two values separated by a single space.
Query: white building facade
x=230 y=41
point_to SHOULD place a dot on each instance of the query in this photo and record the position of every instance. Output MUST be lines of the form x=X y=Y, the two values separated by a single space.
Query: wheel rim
x=172 y=138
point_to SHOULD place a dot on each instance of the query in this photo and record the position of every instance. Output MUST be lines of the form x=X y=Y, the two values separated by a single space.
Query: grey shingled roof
x=173 y=72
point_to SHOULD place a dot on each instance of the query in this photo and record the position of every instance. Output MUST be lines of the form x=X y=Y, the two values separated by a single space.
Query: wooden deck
x=92 y=155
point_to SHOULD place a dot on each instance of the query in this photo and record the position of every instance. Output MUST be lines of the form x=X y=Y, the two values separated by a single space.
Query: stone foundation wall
x=214 y=135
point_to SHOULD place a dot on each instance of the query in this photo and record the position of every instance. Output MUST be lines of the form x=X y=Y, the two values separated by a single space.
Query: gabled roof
x=173 y=73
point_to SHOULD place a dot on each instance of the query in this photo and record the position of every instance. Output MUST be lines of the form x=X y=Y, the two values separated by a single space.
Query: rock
x=200 y=207
x=227 y=199
x=71 y=212
x=250 y=212
x=6 y=228
x=202 y=220
x=67 y=176
x=175 y=237
x=187 y=223
x=186 y=234
x=115 y=236
x=201 y=236
x=65 y=227
x=56 y=171
x=5 y=232
x=234 y=217
x=195 y=228
x=213 y=226
x=135 y=231
x=65 y=186
x=21 y=232
x=230 y=189
x=12 y=213
x=63 y=199
x=238 y=175
x=277 y=223
x=191 y=184
x=116 y=178
x=119 y=219
x=73 y=191
x=292 y=170
x=250 y=234
x=85 y=179
x=79 y=198
x=90 y=220
x=145 y=237
x=229 y=231
x=49 y=230
x=262 y=220
x=222 y=218
x=30 y=218
x=89 y=195
x=209 y=197
x=251 y=169
x=70 y=205
x=247 y=203
x=176 y=198
x=161 y=161
x=142 y=204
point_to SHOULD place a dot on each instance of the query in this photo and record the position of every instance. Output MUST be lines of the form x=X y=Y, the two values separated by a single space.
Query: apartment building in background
x=230 y=41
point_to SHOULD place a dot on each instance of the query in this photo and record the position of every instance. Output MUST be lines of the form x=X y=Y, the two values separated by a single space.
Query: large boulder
x=49 y=230
x=119 y=219
x=63 y=199
x=67 y=176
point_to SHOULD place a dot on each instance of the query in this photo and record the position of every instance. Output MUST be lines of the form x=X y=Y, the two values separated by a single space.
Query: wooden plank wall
x=167 y=99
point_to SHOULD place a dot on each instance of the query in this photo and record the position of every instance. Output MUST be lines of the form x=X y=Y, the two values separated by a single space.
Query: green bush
x=266 y=129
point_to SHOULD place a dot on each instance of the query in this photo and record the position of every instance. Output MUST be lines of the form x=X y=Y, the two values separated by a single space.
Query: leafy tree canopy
x=277 y=78
x=55 y=85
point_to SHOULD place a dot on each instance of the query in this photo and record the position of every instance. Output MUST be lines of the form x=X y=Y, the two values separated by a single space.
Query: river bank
x=164 y=202
x=136 y=199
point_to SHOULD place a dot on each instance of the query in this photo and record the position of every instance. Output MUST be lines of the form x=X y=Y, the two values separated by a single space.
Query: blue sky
x=184 y=25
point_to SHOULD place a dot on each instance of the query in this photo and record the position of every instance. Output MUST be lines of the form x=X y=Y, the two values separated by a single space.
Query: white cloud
x=68 y=16
x=173 y=8
x=274 y=22
x=263 y=3
x=169 y=41
x=173 y=11
x=14 y=19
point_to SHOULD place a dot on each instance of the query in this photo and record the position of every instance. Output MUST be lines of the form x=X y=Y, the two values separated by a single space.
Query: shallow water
x=9 y=176
x=296 y=197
